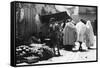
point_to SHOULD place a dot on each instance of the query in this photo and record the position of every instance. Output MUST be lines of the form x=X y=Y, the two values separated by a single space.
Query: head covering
x=90 y=33
x=82 y=20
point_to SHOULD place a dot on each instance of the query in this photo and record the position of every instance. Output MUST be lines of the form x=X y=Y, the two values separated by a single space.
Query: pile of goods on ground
x=33 y=53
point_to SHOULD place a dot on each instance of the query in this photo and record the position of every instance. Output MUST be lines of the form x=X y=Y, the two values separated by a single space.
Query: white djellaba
x=70 y=34
x=90 y=41
x=82 y=36
x=77 y=45
x=82 y=31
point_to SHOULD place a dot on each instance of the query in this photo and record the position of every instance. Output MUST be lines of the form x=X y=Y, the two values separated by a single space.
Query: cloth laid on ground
x=90 y=41
x=70 y=34
x=33 y=53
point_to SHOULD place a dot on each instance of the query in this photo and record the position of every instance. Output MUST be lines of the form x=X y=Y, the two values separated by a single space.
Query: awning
x=61 y=16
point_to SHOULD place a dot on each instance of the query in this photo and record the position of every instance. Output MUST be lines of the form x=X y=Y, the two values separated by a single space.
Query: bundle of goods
x=33 y=53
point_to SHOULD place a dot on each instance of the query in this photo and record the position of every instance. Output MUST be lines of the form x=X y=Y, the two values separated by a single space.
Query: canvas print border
x=13 y=32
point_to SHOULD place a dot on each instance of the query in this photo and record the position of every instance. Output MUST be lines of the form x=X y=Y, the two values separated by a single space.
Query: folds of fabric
x=90 y=41
x=70 y=34
x=82 y=32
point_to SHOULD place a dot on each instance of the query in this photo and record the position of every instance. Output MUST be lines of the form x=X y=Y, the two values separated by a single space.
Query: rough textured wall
x=27 y=19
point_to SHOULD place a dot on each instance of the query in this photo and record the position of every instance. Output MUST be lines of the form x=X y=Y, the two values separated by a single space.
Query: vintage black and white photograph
x=55 y=33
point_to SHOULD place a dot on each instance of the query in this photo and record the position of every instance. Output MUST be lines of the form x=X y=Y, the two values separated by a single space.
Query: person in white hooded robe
x=70 y=34
x=82 y=36
x=90 y=40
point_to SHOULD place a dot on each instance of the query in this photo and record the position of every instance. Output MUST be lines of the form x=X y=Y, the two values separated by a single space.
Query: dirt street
x=68 y=56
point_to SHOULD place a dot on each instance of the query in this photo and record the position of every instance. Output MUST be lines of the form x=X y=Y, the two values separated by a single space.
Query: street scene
x=50 y=33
